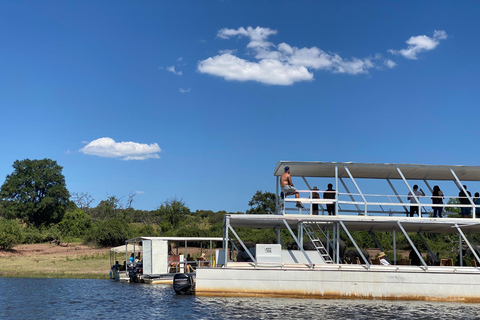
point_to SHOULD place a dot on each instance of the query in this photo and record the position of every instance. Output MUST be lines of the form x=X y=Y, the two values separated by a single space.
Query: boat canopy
x=378 y=170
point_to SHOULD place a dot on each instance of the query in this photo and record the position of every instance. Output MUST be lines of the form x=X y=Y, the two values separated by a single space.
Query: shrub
x=109 y=233
x=75 y=223
x=10 y=234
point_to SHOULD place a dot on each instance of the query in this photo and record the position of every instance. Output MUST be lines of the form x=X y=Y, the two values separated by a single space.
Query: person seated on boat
x=193 y=264
x=287 y=185
x=123 y=267
x=418 y=193
x=330 y=194
x=242 y=256
x=132 y=258
x=116 y=265
x=414 y=259
x=383 y=261
x=188 y=266
x=137 y=259
x=202 y=258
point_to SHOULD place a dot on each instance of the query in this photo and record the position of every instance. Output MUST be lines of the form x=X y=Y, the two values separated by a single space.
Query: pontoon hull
x=345 y=281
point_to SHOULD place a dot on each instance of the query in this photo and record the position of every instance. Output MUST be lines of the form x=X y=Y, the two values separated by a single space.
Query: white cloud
x=419 y=44
x=108 y=148
x=268 y=71
x=182 y=90
x=283 y=64
x=172 y=70
x=390 y=64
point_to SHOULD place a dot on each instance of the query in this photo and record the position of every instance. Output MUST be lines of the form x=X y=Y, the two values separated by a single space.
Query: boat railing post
x=358 y=189
x=474 y=252
x=412 y=193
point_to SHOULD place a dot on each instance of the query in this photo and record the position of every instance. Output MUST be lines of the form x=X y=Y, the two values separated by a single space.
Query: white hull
x=344 y=281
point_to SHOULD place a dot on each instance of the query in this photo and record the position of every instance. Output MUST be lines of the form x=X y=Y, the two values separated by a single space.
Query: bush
x=42 y=235
x=109 y=233
x=75 y=224
x=10 y=234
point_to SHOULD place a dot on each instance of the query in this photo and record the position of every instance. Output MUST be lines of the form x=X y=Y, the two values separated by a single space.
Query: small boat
x=155 y=260
x=314 y=266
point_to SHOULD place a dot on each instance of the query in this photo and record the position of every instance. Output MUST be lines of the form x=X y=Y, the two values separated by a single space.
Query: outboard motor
x=184 y=284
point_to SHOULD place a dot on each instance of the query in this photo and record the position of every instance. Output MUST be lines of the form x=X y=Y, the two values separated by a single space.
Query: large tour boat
x=313 y=264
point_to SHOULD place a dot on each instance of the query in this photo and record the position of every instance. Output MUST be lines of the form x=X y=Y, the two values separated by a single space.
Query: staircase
x=312 y=235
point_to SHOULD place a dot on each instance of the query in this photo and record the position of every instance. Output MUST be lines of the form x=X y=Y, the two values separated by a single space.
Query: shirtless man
x=287 y=185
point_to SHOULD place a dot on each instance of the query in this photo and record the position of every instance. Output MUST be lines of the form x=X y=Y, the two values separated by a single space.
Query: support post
x=412 y=245
x=358 y=189
x=428 y=248
x=296 y=240
x=355 y=244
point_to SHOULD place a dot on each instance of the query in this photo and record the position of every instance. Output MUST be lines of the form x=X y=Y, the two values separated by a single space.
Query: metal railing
x=368 y=204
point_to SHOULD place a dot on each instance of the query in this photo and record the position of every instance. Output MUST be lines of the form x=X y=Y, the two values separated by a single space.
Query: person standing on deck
x=315 y=195
x=437 y=198
x=415 y=209
x=462 y=197
x=330 y=194
x=287 y=185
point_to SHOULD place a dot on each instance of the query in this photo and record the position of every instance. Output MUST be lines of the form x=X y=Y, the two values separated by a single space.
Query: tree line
x=36 y=207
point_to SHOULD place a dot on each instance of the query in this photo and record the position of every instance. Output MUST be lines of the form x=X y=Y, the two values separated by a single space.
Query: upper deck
x=378 y=190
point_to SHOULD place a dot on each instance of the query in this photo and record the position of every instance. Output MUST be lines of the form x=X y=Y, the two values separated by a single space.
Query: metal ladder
x=312 y=235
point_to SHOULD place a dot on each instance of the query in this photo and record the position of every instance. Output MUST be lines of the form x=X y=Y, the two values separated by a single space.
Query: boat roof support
x=336 y=188
x=242 y=244
x=375 y=240
x=300 y=246
x=358 y=189
x=474 y=252
x=428 y=247
x=394 y=247
x=411 y=191
x=355 y=244
x=350 y=195
x=412 y=245
x=473 y=242
x=396 y=193
x=460 y=186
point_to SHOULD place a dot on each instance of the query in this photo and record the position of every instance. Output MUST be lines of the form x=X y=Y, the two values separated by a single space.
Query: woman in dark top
x=437 y=198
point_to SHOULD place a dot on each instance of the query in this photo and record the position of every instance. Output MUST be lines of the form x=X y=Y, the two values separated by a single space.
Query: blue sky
x=199 y=99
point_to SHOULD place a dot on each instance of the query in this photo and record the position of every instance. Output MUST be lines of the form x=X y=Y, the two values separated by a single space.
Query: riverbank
x=46 y=260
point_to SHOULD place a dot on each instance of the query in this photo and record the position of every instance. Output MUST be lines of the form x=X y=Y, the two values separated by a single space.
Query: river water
x=22 y=298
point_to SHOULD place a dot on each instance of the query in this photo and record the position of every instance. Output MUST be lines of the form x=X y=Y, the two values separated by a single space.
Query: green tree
x=173 y=211
x=109 y=233
x=35 y=192
x=262 y=203
x=10 y=234
x=75 y=223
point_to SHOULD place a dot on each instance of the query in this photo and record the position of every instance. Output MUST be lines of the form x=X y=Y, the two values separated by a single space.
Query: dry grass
x=52 y=261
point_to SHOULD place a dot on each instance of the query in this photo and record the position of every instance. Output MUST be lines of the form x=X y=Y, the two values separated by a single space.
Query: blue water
x=22 y=298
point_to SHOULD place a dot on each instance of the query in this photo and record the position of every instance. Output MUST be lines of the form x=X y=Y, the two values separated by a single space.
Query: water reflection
x=103 y=299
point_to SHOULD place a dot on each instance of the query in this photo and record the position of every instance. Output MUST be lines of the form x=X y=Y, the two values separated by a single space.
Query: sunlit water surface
x=22 y=298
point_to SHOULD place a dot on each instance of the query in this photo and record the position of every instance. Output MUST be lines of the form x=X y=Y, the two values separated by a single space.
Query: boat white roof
x=124 y=249
x=137 y=239
x=379 y=170
x=358 y=223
